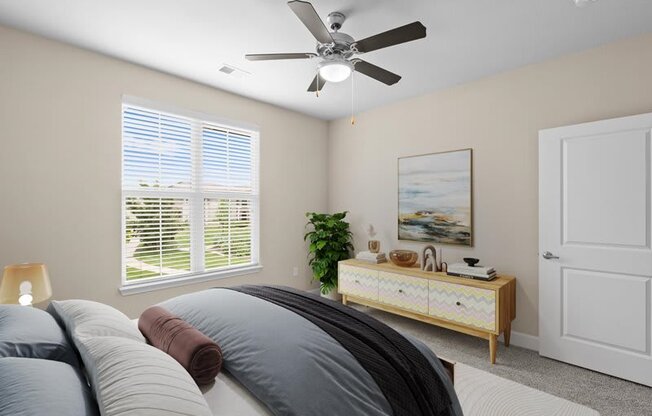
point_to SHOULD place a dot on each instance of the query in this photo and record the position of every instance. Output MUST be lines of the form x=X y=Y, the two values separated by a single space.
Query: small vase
x=374 y=246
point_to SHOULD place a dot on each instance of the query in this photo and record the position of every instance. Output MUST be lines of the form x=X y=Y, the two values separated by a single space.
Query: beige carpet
x=550 y=386
x=484 y=394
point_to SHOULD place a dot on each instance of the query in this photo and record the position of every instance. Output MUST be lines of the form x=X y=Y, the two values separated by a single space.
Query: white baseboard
x=523 y=340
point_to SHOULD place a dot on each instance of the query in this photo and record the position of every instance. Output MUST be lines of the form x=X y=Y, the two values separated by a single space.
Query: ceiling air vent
x=233 y=71
x=582 y=3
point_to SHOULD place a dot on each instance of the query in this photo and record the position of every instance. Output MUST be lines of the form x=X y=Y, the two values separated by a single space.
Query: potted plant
x=330 y=242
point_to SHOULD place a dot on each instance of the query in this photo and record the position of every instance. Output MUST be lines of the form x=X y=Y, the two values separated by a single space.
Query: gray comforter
x=286 y=361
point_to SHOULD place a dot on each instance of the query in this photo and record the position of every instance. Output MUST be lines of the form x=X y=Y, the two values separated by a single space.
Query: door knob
x=548 y=256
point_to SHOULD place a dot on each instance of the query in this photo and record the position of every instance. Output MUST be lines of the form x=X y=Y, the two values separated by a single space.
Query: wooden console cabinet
x=474 y=307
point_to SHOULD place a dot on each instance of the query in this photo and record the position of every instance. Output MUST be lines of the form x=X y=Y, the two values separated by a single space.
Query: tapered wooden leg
x=343 y=299
x=508 y=333
x=493 y=344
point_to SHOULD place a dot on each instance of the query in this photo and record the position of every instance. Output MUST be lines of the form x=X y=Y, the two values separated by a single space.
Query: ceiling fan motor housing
x=335 y=21
x=341 y=45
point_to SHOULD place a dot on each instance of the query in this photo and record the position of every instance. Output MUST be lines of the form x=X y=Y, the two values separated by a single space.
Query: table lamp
x=25 y=284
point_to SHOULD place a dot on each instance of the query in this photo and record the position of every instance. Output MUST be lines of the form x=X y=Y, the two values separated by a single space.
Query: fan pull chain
x=352 y=101
x=317 y=91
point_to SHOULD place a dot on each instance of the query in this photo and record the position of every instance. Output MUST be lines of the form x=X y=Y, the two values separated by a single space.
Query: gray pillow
x=32 y=333
x=127 y=376
x=34 y=387
x=134 y=378
x=93 y=319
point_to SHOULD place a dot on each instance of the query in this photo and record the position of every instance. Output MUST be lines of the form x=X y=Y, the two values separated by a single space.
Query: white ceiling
x=467 y=39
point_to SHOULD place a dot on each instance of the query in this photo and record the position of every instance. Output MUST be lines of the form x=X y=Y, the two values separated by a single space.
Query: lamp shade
x=25 y=283
x=335 y=70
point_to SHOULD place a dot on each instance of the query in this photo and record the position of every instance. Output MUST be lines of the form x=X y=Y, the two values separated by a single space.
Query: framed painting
x=435 y=198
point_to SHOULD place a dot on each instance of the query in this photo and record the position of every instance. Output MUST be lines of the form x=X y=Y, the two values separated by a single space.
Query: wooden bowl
x=403 y=258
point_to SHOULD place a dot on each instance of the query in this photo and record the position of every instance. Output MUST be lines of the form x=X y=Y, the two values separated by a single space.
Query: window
x=189 y=195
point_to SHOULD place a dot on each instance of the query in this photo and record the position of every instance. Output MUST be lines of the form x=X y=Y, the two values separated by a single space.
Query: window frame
x=195 y=199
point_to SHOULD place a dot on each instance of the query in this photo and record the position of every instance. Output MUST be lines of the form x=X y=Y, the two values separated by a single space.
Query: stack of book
x=370 y=257
x=475 y=272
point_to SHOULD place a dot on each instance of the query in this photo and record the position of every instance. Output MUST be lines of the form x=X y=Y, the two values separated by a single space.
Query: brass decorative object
x=374 y=246
x=403 y=258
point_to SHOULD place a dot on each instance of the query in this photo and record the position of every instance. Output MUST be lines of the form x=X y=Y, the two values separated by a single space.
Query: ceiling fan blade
x=407 y=33
x=376 y=72
x=274 y=56
x=309 y=17
x=317 y=84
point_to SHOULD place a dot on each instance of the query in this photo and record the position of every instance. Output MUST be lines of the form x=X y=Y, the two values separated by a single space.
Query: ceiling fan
x=337 y=50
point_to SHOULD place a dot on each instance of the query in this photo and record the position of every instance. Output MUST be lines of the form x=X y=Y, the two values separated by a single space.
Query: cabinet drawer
x=463 y=304
x=358 y=281
x=405 y=292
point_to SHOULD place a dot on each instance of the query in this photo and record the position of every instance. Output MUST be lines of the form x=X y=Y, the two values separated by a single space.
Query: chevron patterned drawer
x=359 y=282
x=405 y=292
x=463 y=304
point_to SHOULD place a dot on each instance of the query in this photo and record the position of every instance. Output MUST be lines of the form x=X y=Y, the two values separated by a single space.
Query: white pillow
x=133 y=378
x=128 y=376
x=94 y=319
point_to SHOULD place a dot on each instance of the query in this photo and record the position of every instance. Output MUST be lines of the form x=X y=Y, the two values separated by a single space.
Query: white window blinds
x=190 y=195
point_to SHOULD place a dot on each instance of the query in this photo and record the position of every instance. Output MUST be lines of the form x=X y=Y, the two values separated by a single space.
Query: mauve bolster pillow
x=197 y=353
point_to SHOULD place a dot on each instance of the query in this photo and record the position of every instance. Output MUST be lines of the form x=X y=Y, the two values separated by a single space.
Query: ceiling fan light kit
x=335 y=70
x=337 y=50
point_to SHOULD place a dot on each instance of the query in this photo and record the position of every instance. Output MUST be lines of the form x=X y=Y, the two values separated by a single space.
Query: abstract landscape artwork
x=434 y=198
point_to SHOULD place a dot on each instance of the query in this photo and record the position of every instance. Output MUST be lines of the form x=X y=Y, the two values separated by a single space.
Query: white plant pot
x=332 y=295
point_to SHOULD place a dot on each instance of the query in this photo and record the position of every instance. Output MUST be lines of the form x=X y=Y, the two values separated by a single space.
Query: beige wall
x=60 y=159
x=60 y=167
x=499 y=117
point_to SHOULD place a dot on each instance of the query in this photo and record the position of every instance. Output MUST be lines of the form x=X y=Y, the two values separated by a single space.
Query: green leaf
x=330 y=242
x=327 y=287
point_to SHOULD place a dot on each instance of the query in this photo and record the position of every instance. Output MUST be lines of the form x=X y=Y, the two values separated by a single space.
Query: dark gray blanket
x=286 y=361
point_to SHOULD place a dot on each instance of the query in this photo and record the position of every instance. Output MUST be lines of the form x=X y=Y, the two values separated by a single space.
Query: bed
x=227 y=397
x=286 y=352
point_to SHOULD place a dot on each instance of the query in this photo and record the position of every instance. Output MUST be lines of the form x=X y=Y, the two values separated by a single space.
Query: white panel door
x=595 y=264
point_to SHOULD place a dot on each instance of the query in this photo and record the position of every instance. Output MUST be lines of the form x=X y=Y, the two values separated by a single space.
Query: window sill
x=165 y=283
